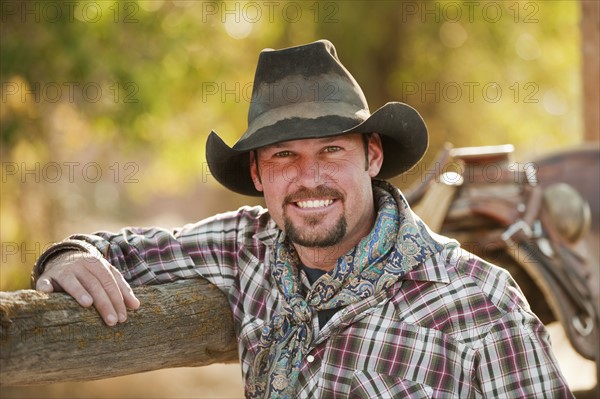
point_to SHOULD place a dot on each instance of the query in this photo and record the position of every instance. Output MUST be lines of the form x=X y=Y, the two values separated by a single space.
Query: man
x=338 y=289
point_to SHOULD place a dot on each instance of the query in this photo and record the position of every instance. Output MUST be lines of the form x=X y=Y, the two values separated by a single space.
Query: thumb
x=44 y=285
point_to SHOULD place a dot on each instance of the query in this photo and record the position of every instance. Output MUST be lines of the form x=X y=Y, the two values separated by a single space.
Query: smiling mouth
x=318 y=198
x=314 y=204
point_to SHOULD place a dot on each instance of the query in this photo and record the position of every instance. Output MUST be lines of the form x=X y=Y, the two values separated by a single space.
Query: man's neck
x=321 y=258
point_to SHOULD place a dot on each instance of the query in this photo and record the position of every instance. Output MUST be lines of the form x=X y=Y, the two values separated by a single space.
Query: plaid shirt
x=455 y=327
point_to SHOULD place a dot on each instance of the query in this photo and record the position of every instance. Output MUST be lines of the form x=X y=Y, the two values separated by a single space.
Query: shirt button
x=310 y=358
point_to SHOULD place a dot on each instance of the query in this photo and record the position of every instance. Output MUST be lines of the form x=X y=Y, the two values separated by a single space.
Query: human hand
x=91 y=281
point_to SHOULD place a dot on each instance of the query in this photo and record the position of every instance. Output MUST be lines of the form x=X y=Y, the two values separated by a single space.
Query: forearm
x=143 y=256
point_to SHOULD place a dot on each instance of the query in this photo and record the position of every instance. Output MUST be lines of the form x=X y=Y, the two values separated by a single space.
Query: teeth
x=314 y=203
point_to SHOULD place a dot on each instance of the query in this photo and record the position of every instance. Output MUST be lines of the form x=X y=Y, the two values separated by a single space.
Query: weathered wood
x=50 y=338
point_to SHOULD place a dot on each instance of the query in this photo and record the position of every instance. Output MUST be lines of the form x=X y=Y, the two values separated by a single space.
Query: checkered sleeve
x=154 y=255
x=516 y=360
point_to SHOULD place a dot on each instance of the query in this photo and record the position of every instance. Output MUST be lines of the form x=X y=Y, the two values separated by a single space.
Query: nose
x=310 y=172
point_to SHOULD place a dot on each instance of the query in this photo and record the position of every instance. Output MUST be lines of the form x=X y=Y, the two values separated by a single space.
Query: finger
x=131 y=301
x=101 y=300
x=107 y=277
x=44 y=285
x=71 y=285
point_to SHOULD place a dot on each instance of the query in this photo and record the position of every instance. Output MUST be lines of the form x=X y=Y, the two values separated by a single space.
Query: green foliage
x=169 y=72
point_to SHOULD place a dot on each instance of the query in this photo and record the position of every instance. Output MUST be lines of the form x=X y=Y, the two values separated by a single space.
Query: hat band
x=306 y=110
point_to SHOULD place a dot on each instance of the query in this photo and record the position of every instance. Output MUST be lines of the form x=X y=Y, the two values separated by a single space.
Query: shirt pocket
x=367 y=384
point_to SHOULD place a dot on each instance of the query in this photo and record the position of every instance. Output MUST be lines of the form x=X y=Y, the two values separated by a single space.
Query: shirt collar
x=434 y=269
x=268 y=233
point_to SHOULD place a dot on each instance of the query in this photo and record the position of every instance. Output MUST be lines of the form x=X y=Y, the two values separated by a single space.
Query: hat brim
x=402 y=130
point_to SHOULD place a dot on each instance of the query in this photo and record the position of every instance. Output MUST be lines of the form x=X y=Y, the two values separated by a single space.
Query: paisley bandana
x=378 y=261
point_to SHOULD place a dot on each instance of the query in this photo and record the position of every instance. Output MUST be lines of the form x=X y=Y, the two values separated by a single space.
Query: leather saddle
x=498 y=210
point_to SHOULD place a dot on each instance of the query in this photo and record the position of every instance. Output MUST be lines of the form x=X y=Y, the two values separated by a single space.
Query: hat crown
x=292 y=82
x=305 y=92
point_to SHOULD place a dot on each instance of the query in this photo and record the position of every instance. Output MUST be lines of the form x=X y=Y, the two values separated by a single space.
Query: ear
x=254 y=172
x=375 y=153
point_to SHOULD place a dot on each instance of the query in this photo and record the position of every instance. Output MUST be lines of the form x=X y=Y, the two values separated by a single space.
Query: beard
x=313 y=234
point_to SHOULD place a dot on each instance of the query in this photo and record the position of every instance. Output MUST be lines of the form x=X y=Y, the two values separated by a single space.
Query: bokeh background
x=106 y=107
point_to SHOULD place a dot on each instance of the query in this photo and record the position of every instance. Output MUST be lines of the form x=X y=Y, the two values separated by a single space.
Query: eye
x=282 y=154
x=332 y=148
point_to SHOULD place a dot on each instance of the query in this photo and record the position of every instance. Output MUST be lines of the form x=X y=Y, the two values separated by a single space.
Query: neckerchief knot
x=297 y=310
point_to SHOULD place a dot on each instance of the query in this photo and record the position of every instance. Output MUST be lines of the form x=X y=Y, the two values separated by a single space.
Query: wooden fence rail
x=50 y=338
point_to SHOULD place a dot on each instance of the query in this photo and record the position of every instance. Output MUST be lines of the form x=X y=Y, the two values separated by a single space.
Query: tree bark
x=50 y=338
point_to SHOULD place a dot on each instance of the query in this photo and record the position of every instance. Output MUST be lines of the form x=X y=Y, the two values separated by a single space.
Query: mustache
x=321 y=191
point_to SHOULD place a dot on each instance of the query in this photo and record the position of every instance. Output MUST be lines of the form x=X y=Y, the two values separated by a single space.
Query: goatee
x=314 y=235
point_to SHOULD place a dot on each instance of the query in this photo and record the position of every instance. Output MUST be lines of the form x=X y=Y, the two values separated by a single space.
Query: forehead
x=342 y=138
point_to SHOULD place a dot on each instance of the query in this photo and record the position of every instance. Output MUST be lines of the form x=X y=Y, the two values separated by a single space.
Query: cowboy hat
x=305 y=92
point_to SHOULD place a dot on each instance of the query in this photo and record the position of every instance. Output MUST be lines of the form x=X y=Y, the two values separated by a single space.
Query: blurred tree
x=590 y=48
x=106 y=105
